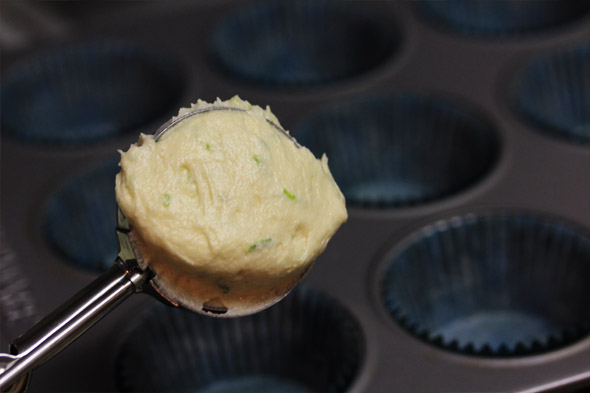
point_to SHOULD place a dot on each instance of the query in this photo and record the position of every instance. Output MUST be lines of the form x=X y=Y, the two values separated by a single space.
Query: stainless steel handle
x=64 y=325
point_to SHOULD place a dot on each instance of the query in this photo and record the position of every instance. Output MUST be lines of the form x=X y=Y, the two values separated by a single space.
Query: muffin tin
x=462 y=150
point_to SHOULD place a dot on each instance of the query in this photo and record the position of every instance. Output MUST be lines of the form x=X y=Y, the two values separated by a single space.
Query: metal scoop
x=60 y=328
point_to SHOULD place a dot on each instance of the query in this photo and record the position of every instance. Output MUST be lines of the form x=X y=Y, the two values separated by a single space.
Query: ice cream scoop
x=136 y=270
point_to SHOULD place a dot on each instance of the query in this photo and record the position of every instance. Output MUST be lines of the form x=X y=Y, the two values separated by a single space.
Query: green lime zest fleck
x=261 y=243
x=255 y=158
x=166 y=198
x=288 y=194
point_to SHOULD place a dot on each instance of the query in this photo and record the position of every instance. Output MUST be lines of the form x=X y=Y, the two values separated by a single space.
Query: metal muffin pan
x=533 y=172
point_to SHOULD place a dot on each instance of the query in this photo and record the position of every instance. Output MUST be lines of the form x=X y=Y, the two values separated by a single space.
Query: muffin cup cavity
x=306 y=342
x=84 y=92
x=553 y=94
x=400 y=150
x=80 y=218
x=302 y=42
x=495 y=18
x=501 y=284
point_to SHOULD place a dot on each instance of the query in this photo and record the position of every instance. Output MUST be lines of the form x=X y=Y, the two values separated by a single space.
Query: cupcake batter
x=226 y=210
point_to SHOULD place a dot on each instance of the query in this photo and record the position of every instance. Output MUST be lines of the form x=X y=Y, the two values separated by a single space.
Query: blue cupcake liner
x=306 y=342
x=553 y=93
x=302 y=42
x=256 y=384
x=493 y=18
x=497 y=285
x=80 y=218
x=83 y=92
x=401 y=150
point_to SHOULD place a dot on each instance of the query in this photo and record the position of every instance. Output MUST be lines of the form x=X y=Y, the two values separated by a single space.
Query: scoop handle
x=69 y=321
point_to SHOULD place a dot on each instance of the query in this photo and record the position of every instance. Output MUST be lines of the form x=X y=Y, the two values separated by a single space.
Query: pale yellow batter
x=226 y=210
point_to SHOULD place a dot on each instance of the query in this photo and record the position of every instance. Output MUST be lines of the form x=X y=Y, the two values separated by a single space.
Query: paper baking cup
x=553 y=93
x=499 y=285
x=502 y=17
x=80 y=218
x=401 y=150
x=302 y=42
x=84 y=92
x=306 y=343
